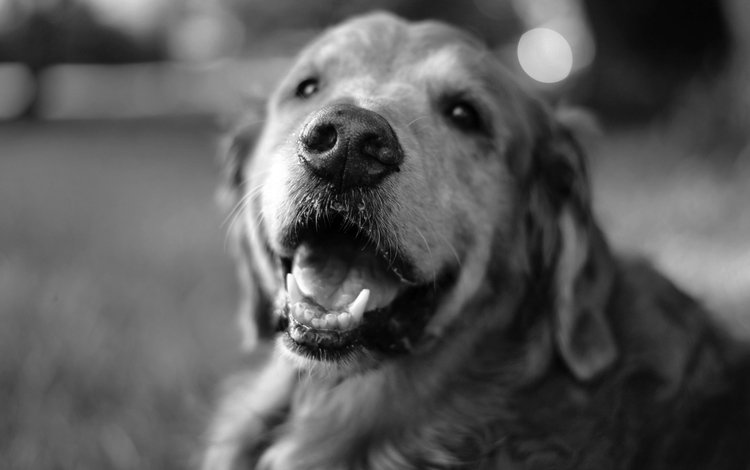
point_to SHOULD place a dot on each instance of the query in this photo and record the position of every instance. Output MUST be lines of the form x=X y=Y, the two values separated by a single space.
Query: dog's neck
x=405 y=415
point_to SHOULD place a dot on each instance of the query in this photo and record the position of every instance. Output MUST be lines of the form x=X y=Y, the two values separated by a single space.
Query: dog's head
x=404 y=188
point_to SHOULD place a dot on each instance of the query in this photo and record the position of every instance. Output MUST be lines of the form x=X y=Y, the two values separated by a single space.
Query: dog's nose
x=349 y=146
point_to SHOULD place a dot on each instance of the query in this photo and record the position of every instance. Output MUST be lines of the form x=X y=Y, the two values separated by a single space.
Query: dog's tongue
x=334 y=272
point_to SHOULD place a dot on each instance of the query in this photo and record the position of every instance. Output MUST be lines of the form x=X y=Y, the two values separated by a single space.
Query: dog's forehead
x=384 y=42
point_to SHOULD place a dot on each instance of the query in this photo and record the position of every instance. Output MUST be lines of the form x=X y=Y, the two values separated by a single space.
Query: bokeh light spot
x=545 y=55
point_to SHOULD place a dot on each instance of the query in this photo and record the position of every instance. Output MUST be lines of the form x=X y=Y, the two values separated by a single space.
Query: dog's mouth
x=345 y=294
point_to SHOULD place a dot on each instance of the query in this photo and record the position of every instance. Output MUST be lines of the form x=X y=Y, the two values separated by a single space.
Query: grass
x=117 y=297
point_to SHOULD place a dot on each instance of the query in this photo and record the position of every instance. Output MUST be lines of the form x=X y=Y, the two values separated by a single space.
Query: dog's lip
x=315 y=338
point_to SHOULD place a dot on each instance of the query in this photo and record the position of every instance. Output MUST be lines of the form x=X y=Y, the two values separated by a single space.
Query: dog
x=423 y=273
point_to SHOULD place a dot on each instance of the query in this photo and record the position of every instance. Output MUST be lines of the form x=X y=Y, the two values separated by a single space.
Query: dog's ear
x=234 y=151
x=568 y=253
x=254 y=314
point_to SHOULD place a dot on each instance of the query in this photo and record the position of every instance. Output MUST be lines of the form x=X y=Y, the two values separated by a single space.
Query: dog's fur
x=543 y=350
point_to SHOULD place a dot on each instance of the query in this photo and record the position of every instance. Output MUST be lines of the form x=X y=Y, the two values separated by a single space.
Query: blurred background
x=117 y=295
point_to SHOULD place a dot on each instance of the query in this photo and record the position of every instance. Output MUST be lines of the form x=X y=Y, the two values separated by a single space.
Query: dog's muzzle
x=349 y=286
x=349 y=146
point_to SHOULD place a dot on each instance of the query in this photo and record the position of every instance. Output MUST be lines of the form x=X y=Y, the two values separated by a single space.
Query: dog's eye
x=307 y=88
x=464 y=116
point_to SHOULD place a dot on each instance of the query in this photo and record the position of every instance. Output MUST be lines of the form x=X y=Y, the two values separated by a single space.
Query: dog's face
x=390 y=187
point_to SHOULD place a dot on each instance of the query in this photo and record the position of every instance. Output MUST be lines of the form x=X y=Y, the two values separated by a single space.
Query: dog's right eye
x=464 y=116
x=307 y=88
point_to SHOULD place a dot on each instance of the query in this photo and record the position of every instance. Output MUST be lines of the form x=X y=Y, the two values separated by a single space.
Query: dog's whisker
x=249 y=194
x=239 y=206
x=429 y=255
x=236 y=218
x=414 y=121
x=237 y=214
x=260 y=218
x=450 y=246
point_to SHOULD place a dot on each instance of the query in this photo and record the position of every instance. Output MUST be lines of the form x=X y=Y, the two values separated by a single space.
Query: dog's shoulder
x=662 y=328
x=678 y=395
x=677 y=358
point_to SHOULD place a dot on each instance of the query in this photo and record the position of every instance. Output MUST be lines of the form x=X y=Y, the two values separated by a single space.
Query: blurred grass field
x=117 y=296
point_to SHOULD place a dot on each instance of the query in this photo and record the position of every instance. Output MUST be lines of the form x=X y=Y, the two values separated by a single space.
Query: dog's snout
x=349 y=146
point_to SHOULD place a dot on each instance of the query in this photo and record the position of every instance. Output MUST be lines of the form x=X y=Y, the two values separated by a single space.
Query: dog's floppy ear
x=255 y=305
x=567 y=250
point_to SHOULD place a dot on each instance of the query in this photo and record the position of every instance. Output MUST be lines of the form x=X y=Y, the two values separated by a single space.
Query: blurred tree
x=493 y=21
x=648 y=49
x=65 y=31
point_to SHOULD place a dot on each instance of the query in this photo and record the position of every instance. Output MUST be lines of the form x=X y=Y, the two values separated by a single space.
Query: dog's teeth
x=307 y=315
x=295 y=310
x=357 y=308
x=295 y=294
x=331 y=321
x=345 y=319
x=298 y=309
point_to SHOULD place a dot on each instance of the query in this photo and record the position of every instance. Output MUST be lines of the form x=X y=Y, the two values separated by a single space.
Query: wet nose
x=349 y=146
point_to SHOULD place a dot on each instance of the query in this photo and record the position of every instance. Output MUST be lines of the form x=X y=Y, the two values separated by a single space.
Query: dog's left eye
x=464 y=116
x=307 y=88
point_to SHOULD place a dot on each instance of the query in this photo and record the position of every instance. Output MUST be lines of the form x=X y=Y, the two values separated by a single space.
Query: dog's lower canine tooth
x=295 y=294
x=357 y=308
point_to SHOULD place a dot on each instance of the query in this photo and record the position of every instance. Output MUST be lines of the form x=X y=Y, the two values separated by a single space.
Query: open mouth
x=345 y=294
